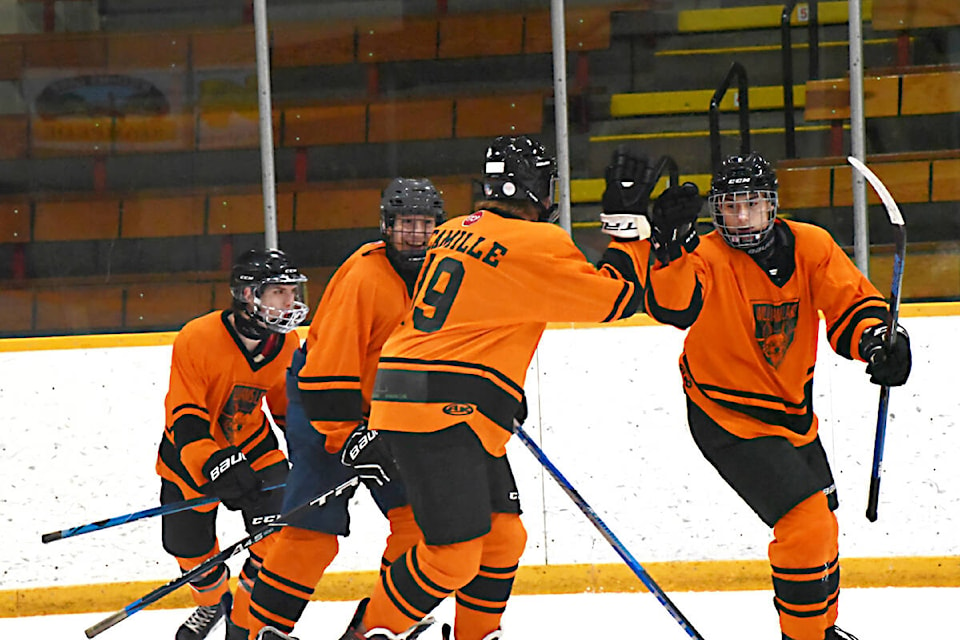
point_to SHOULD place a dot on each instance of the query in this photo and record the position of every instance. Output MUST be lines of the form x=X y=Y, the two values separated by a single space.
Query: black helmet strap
x=247 y=325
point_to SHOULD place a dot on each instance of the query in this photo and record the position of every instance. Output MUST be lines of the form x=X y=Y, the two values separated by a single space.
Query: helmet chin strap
x=407 y=267
x=765 y=246
x=548 y=214
x=248 y=326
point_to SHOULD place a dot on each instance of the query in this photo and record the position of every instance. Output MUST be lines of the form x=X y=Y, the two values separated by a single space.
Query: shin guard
x=288 y=577
x=806 y=569
x=419 y=579
x=209 y=587
x=482 y=602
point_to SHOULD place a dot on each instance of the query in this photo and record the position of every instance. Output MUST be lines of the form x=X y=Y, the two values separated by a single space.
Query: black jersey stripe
x=456 y=363
x=405 y=385
x=682 y=318
x=189 y=428
x=798 y=423
x=332 y=405
x=843 y=341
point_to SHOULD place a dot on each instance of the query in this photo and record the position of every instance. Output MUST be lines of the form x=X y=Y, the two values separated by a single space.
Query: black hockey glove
x=888 y=366
x=232 y=479
x=675 y=222
x=629 y=181
x=365 y=452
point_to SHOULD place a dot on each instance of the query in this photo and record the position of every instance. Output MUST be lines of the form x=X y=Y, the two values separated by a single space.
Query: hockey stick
x=900 y=251
x=592 y=516
x=207 y=564
x=162 y=510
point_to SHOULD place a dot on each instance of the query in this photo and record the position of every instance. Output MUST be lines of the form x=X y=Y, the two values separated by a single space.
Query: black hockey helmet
x=255 y=270
x=751 y=181
x=409 y=197
x=518 y=168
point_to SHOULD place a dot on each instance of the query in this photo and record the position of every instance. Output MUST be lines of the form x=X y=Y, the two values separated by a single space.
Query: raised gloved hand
x=888 y=366
x=629 y=181
x=365 y=452
x=232 y=479
x=675 y=215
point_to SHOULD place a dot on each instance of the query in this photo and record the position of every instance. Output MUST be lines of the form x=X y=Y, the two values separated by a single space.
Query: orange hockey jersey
x=749 y=356
x=214 y=399
x=488 y=287
x=362 y=304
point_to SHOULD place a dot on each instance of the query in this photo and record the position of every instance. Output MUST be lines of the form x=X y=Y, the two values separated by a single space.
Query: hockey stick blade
x=607 y=534
x=899 y=257
x=893 y=211
x=227 y=553
x=166 y=509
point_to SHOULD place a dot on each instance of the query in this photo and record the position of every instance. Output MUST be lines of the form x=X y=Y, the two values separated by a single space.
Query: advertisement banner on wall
x=76 y=111
x=228 y=114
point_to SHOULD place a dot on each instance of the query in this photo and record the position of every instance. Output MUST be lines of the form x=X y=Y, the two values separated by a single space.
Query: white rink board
x=606 y=405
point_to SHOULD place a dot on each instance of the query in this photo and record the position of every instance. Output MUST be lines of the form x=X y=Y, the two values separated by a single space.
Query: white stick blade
x=893 y=211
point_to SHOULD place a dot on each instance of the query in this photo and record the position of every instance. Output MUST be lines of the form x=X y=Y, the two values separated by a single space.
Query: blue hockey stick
x=900 y=252
x=162 y=510
x=255 y=537
x=604 y=530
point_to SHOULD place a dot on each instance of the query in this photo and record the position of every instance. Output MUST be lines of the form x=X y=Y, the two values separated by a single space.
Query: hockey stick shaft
x=608 y=535
x=900 y=251
x=162 y=510
x=209 y=563
x=876 y=469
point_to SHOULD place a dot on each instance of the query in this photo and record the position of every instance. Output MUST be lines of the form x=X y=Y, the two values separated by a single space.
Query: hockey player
x=450 y=384
x=217 y=439
x=749 y=294
x=329 y=387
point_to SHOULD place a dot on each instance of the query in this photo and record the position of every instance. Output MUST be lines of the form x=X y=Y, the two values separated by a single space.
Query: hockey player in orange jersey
x=329 y=387
x=749 y=294
x=450 y=385
x=217 y=439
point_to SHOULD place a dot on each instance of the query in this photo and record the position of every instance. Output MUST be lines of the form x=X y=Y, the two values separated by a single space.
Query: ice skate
x=203 y=619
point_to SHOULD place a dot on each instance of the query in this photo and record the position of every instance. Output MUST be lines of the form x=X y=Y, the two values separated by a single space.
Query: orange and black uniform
x=449 y=384
x=214 y=401
x=329 y=387
x=747 y=368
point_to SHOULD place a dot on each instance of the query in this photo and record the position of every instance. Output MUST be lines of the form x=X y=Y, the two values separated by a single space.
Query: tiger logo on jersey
x=775 y=325
x=240 y=411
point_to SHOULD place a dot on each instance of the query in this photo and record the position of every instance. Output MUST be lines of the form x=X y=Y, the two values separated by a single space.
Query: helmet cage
x=408 y=197
x=277 y=319
x=257 y=271
x=744 y=180
x=750 y=234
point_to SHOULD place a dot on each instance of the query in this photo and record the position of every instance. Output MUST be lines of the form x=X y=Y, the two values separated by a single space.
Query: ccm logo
x=458 y=409
x=226 y=464
x=470 y=219
x=738 y=180
x=273 y=517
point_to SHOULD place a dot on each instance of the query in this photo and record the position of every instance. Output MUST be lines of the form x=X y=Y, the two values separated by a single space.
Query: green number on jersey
x=436 y=300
